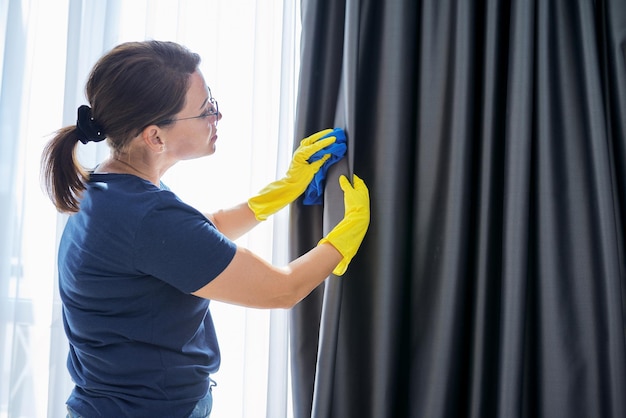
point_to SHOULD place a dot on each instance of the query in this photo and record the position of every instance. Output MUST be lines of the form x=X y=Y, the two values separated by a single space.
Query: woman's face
x=194 y=132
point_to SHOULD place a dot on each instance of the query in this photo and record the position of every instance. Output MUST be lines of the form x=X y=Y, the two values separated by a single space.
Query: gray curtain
x=492 y=137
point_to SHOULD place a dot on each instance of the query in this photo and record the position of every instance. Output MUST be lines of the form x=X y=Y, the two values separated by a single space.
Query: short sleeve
x=177 y=244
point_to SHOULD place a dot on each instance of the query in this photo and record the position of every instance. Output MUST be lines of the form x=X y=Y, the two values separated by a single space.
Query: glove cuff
x=341 y=268
x=257 y=210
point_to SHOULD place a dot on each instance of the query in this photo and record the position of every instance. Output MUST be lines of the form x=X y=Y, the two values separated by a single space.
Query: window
x=250 y=61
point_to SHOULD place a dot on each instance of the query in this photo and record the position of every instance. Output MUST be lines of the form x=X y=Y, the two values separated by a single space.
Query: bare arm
x=234 y=222
x=251 y=281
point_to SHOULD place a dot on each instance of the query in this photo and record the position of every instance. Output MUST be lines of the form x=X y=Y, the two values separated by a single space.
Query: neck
x=123 y=164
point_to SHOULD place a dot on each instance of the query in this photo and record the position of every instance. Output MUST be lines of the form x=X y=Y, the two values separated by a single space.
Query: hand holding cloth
x=280 y=193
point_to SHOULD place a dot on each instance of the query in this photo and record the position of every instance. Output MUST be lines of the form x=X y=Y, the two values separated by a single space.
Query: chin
x=209 y=151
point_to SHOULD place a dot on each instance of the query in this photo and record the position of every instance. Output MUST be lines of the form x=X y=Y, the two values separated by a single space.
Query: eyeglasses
x=212 y=110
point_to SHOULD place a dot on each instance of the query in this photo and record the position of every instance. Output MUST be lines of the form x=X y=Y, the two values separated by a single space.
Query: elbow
x=286 y=301
x=291 y=296
x=287 y=291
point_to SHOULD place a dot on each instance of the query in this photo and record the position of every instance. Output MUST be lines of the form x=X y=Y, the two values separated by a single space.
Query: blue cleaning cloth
x=314 y=193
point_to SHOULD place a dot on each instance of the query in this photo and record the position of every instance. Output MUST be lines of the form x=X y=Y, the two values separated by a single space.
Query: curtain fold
x=491 y=281
x=321 y=90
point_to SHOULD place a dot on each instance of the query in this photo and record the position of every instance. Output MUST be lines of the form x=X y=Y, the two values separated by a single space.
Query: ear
x=151 y=137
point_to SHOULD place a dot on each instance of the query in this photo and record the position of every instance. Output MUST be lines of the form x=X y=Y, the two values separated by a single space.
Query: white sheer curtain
x=250 y=61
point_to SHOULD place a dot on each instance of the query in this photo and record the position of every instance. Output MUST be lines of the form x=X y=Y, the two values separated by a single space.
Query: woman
x=137 y=267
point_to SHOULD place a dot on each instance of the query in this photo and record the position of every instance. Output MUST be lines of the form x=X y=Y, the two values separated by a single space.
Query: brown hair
x=135 y=85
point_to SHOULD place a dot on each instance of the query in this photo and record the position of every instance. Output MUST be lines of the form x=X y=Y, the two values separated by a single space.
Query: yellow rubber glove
x=280 y=193
x=348 y=234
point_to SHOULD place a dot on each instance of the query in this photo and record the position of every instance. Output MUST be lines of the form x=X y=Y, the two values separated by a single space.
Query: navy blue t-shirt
x=140 y=344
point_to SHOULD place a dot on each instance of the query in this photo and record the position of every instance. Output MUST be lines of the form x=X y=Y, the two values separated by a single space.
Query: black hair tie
x=88 y=129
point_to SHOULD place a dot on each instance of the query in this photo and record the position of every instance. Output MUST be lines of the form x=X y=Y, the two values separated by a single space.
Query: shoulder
x=128 y=193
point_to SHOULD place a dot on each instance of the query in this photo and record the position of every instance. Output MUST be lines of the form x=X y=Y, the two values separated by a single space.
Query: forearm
x=234 y=222
x=251 y=281
x=311 y=269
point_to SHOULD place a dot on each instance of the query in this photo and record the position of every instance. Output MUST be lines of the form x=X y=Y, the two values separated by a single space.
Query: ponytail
x=134 y=85
x=63 y=177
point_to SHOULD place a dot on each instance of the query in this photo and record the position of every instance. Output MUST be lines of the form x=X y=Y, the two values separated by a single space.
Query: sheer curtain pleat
x=249 y=55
